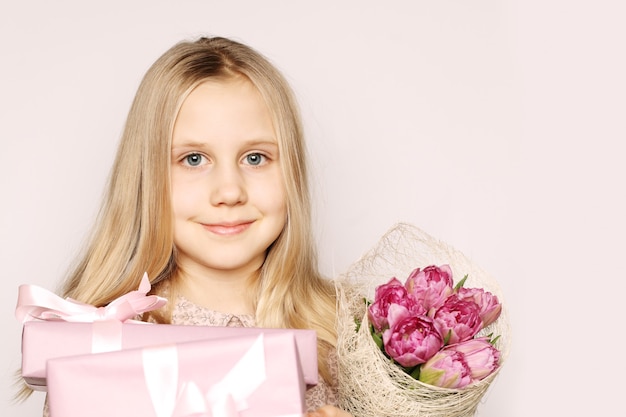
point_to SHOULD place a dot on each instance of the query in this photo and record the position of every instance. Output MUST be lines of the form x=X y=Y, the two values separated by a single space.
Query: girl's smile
x=228 y=229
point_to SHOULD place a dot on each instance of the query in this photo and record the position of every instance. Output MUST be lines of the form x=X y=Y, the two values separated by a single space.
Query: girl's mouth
x=228 y=229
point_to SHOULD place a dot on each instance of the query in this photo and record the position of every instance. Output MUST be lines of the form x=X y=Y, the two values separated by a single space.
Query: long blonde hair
x=134 y=231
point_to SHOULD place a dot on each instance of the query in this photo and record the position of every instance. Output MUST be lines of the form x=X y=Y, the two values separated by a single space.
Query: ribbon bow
x=36 y=303
x=225 y=398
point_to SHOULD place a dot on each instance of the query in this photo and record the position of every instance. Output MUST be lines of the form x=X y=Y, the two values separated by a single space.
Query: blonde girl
x=175 y=155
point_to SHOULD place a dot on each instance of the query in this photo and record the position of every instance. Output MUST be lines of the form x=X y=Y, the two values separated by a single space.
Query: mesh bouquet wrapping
x=370 y=384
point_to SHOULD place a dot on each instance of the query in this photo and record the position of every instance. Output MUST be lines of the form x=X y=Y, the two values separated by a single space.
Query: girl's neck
x=223 y=292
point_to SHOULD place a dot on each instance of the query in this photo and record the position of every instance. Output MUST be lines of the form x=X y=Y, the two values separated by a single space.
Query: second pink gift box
x=247 y=376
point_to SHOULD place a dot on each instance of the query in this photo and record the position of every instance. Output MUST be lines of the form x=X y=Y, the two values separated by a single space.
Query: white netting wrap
x=370 y=385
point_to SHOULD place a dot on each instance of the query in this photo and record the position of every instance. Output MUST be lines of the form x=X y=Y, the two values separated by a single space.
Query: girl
x=209 y=195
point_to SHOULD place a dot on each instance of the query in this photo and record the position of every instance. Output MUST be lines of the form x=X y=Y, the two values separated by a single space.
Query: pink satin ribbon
x=225 y=398
x=36 y=303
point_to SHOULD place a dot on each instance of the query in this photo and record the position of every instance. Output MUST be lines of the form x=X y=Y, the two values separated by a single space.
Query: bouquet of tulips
x=425 y=347
x=429 y=328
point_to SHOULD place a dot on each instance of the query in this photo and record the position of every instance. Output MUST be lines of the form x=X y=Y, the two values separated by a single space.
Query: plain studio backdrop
x=496 y=126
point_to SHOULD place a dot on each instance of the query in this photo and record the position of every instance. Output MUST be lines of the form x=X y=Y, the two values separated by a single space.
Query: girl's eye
x=193 y=159
x=255 y=158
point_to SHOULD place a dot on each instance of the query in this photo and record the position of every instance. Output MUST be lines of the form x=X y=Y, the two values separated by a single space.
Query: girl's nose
x=227 y=186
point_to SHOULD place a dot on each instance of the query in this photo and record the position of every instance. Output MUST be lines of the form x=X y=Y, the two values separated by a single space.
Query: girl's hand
x=329 y=411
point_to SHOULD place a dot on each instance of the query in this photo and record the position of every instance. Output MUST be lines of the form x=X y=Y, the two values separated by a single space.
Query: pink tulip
x=447 y=369
x=430 y=286
x=490 y=307
x=410 y=340
x=481 y=356
x=387 y=294
x=458 y=319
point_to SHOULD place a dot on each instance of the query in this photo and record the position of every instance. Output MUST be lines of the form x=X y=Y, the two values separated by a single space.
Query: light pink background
x=497 y=126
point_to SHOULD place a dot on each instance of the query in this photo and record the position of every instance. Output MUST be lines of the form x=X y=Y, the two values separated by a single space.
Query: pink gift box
x=245 y=376
x=45 y=340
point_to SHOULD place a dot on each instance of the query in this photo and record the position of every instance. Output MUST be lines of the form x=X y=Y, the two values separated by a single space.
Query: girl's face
x=228 y=195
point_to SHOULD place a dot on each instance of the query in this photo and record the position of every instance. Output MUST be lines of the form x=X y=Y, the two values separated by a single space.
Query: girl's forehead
x=224 y=89
x=224 y=110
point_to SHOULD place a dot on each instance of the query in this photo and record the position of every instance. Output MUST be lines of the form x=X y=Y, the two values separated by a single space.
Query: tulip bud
x=431 y=285
x=410 y=340
x=481 y=356
x=446 y=369
x=393 y=292
x=458 y=318
x=490 y=307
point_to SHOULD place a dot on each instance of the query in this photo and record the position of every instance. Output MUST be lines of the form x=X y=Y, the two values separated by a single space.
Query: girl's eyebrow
x=188 y=144
x=261 y=141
